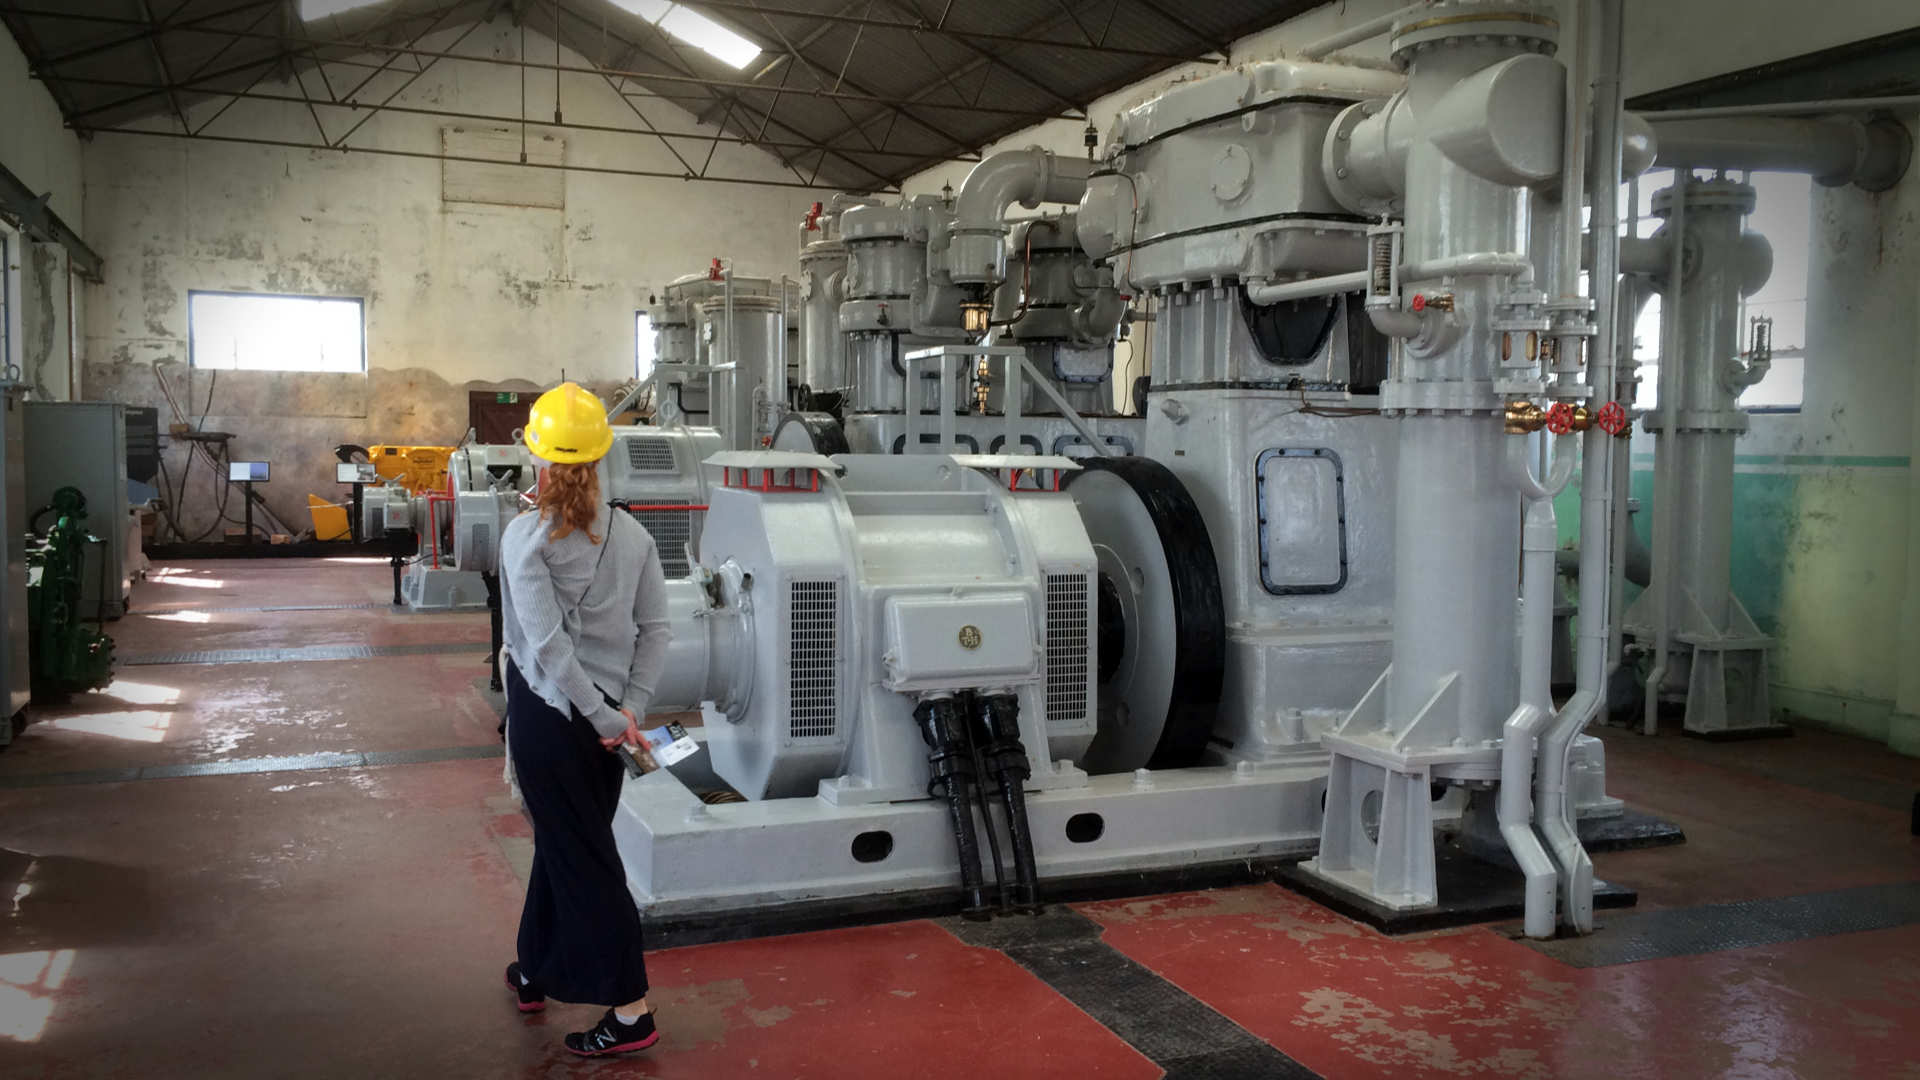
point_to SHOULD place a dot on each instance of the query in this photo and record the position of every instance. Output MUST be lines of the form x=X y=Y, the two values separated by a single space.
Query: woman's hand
x=630 y=737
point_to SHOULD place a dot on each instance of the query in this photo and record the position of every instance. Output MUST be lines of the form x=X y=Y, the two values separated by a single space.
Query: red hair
x=570 y=497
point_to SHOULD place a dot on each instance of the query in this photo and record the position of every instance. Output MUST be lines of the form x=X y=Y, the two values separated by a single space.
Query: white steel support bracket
x=1377 y=837
x=1727 y=681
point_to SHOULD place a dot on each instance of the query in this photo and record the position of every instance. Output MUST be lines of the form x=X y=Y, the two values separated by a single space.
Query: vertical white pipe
x=1629 y=302
x=1553 y=812
x=1573 y=156
x=777 y=378
x=1665 y=525
x=1597 y=613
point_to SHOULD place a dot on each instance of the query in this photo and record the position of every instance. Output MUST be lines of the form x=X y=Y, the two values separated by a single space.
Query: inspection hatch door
x=1302 y=520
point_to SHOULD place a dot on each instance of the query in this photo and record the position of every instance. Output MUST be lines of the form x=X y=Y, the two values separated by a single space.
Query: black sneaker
x=610 y=1036
x=531 y=999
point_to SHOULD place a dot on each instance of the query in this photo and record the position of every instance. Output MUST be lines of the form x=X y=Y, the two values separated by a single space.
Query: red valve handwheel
x=1560 y=418
x=1419 y=301
x=1611 y=418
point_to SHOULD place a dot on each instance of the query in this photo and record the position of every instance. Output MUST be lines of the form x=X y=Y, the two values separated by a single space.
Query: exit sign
x=504 y=398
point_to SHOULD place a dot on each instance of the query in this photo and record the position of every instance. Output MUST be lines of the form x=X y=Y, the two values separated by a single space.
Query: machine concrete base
x=1471 y=891
x=427 y=589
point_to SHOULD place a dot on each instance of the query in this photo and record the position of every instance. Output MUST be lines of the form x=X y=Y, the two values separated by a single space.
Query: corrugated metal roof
x=847 y=93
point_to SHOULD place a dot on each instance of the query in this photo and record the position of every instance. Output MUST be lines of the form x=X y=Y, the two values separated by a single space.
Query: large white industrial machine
x=939 y=311
x=722 y=353
x=884 y=643
x=1703 y=647
x=1242 y=572
x=1707 y=651
x=457 y=531
x=1306 y=605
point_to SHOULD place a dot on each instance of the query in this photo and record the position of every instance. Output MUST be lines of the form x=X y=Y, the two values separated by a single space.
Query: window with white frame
x=643 y=345
x=229 y=331
x=1783 y=213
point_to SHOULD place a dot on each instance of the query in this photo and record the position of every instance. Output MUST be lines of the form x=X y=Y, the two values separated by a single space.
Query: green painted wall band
x=1848 y=461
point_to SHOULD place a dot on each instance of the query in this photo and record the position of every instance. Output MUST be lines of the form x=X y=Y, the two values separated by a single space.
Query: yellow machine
x=420 y=469
x=329 y=519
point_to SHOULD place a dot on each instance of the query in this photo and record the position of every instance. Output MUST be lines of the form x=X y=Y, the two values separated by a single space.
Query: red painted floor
x=353 y=922
x=1346 y=1001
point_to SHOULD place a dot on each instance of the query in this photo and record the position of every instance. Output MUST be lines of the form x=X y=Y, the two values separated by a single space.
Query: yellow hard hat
x=568 y=426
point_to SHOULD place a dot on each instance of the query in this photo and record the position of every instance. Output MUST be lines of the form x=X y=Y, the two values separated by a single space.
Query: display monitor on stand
x=247 y=474
x=359 y=474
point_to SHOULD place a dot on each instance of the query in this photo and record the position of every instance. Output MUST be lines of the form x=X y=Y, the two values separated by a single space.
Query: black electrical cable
x=212 y=381
x=168 y=502
x=986 y=811
x=220 y=507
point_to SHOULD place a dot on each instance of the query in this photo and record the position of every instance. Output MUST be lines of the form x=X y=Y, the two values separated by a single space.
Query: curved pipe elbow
x=1539 y=493
x=1029 y=177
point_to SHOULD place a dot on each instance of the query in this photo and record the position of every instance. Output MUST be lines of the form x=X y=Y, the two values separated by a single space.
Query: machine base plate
x=670 y=931
x=1763 y=731
x=1471 y=891
x=1629 y=831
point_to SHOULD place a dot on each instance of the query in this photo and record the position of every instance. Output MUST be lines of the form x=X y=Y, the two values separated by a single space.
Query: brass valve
x=974 y=317
x=1525 y=417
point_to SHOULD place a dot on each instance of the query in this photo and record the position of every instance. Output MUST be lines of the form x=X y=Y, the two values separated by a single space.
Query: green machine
x=67 y=655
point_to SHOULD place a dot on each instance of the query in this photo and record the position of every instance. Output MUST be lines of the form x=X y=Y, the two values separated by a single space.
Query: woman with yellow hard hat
x=585 y=625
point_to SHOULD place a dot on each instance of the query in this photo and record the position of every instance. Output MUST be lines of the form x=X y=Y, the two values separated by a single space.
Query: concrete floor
x=317 y=916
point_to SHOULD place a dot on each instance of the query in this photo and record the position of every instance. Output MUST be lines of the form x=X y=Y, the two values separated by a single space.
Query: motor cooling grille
x=672 y=532
x=813 y=646
x=650 y=454
x=1066 y=647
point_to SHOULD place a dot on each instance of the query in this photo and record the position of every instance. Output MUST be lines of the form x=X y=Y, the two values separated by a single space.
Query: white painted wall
x=36 y=147
x=457 y=294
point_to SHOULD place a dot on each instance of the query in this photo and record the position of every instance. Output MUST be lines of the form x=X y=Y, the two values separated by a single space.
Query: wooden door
x=497 y=415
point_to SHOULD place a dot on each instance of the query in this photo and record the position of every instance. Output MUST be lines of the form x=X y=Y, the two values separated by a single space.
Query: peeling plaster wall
x=1829 y=491
x=458 y=295
x=36 y=147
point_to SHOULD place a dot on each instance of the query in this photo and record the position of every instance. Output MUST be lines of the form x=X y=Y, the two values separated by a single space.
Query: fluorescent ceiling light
x=695 y=29
x=315 y=9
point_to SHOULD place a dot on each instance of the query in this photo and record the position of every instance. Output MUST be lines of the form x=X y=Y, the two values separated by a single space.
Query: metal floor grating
x=169 y=609
x=297 y=653
x=1630 y=937
x=1167 y=1025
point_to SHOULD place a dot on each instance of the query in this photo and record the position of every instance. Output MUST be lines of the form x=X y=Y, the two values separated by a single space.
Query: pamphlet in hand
x=670 y=743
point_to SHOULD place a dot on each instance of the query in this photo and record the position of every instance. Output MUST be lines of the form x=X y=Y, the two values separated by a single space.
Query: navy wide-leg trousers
x=579 y=931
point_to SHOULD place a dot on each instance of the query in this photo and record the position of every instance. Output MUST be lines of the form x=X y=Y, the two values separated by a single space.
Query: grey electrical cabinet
x=83 y=444
x=16 y=680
